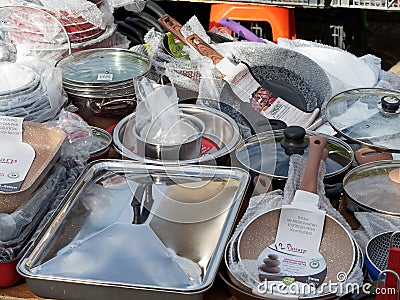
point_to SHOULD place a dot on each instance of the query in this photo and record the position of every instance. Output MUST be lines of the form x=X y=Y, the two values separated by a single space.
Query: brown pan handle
x=172 y=26
x=315 y=152
x=365 y=155
x=204 y=48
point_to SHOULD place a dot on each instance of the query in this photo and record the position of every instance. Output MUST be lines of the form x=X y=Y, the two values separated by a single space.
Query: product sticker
x=294 y=261
x=288 y=113
x=105 y=77
x=16 y=157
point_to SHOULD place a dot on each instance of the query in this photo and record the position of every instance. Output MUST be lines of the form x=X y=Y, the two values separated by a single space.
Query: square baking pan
x=127 y=230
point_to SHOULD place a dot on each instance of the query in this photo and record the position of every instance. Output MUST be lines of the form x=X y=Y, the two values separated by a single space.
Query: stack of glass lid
x=100 y=81
x=23 y=94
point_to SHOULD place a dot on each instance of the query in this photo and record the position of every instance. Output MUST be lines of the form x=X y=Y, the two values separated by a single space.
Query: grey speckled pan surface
x=288 y=74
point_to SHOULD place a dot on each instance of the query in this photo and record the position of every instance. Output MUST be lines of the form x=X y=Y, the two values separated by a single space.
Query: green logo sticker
x=288 y=280
x=314 y=264
x=13 y=175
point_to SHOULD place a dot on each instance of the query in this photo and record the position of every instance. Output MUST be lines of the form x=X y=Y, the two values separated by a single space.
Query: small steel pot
x=221 y=135
x=190 y=148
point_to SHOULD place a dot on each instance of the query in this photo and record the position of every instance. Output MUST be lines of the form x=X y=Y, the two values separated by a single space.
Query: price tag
x=105 y=77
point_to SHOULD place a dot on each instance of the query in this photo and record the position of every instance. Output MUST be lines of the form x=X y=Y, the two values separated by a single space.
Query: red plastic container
x=8 y=273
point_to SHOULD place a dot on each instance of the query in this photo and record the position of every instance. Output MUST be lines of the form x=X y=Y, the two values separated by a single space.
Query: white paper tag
x=290 y=269
x=11 y=129
x=15 y=162
x=105 y=77
x=242 y=82
x=294 y=260
x=300 y=230
x=291 y=115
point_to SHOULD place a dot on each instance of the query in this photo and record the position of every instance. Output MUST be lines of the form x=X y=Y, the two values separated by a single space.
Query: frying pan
x=260 y=233
x=246 y=111
x=243 y=292
x=288 y=74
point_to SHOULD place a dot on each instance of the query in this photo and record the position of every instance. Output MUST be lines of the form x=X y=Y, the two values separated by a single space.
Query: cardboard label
x=294 y=258
x=300 y=230
x=16 y=157
x=242 y=82
x=11 y=129
x=15 y=162
x=289 y=268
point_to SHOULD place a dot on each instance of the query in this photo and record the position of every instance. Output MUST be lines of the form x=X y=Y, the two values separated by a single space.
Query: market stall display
x=192 y=188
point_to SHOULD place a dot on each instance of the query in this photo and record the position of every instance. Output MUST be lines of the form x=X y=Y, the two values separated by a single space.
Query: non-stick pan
x=260 y=233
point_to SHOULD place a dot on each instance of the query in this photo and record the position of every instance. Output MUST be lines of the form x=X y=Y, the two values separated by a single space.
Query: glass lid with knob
x=367 y=116
x=269 y=153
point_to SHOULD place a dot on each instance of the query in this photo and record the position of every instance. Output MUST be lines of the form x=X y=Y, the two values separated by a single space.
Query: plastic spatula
x=240 y=30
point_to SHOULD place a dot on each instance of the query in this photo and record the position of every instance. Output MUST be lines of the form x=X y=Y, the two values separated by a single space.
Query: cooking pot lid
x=103 y=66
x=375 y=186
x=367 y=116
x=269 y=153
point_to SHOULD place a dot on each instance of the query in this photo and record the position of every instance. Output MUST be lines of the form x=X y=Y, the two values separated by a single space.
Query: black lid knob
x=294 y=139
x=390 y=104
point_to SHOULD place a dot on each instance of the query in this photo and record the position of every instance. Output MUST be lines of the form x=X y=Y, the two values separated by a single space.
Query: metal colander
x=377 y=251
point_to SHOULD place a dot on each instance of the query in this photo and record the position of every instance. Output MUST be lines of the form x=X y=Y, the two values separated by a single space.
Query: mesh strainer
x=377 y=251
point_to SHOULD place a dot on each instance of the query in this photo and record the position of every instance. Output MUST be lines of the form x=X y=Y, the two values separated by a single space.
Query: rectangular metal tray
x=46 y=141
x=127 y=230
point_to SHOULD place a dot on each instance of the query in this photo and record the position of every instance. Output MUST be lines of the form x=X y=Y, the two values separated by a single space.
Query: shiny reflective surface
x=130 y=226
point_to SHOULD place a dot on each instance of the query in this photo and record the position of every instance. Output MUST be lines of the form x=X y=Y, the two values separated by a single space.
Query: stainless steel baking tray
x=127 y=230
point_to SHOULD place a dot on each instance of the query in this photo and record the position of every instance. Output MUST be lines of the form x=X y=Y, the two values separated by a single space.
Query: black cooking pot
x=268 y=155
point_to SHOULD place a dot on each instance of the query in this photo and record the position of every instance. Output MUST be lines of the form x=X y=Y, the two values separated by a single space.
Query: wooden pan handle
x=173 y=26
x=316 y=148
x=365 y=155
x=204 y=48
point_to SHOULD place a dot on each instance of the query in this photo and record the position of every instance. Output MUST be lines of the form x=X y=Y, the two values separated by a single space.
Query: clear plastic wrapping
x=18 y=228
x=51 y=29
x=37 y=95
